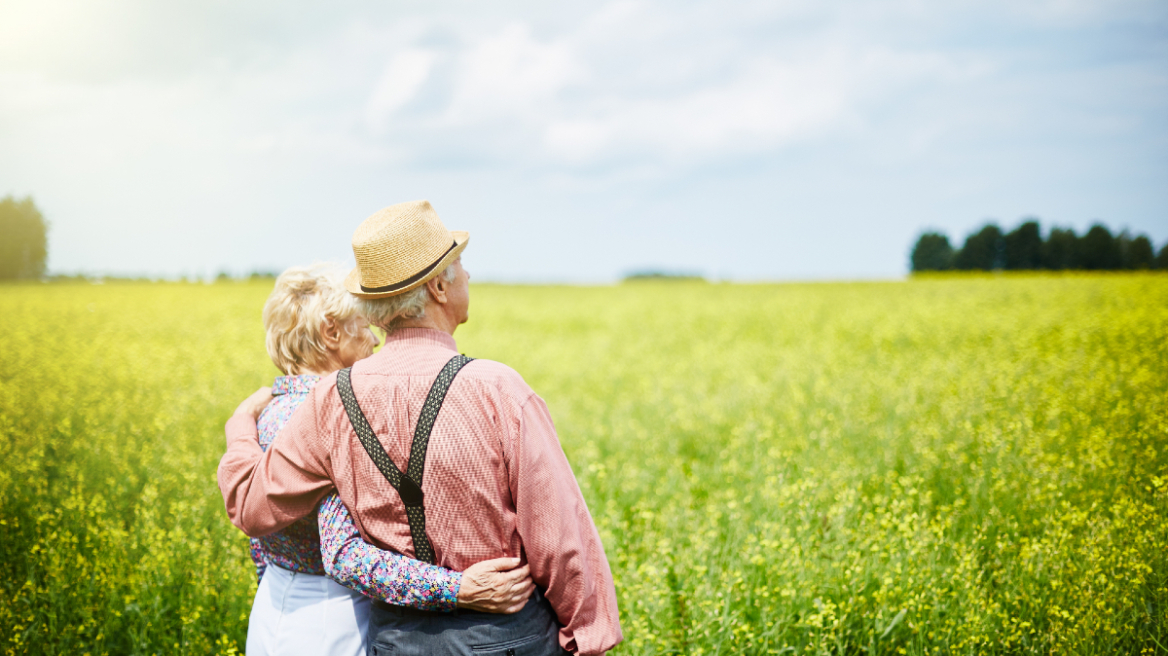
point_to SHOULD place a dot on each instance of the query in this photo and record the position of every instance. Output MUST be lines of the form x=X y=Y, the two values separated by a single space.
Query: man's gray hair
x=386 y=312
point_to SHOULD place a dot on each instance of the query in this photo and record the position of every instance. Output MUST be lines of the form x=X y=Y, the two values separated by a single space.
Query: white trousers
x=303 y=614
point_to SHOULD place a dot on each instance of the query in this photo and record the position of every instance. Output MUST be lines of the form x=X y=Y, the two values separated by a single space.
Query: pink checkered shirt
x=496 y=480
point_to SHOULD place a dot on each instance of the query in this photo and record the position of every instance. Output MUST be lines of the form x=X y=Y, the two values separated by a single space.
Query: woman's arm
x=376 y=573
x=257 y=557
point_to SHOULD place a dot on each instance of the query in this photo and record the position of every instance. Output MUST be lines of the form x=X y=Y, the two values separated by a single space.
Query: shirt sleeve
x=559 y=538
x=377 y=573
x=266 y=491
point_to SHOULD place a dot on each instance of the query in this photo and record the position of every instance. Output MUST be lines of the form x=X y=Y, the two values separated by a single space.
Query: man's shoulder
x=488 y=374
x=498 y=376
x=325 y=386
x=321 y=396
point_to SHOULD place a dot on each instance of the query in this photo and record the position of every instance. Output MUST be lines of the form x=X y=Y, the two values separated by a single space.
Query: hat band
x=412 y=279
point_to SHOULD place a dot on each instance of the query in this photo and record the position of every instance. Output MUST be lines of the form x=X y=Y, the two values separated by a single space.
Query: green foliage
x=1024 y=247
x=932 y=252
x=1098 y=249
x=1137 y=253
x=953 y=465
x=23 y=243
x=984 y=250
x=1061 y=250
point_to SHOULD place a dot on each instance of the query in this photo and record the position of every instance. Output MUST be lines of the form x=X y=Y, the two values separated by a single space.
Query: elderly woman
x=317 y=576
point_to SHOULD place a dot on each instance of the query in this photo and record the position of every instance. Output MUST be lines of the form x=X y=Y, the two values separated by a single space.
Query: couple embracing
x=412 y=501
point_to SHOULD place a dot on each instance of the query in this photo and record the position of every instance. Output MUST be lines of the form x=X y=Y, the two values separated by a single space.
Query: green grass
x=955 y=465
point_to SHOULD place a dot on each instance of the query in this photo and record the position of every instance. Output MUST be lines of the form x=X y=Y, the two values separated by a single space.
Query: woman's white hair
x=386 y=313
x=303 y=299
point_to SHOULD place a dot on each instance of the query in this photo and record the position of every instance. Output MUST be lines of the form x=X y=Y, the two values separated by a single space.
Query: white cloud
x=398 y=85
x=633 y=84
x=637 y=83
x=509 y=75
x=767 y=104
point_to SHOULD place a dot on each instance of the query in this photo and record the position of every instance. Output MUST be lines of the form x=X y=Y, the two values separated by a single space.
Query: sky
x=579 y=141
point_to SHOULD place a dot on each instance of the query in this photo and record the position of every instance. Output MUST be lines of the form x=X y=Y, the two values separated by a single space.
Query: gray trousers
x=533 y=631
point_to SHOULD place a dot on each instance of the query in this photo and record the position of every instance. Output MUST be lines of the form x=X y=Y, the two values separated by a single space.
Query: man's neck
x=434 y=319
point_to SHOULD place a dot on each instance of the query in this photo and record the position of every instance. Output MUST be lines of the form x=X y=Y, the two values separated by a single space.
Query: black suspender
x=409 y=484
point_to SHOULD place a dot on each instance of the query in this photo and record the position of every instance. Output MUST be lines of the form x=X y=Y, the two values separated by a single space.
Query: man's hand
x=496 y=586
x=253 y=405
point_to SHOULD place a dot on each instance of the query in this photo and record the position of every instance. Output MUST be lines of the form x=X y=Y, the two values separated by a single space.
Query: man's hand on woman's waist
x=253 y=405
x=499 y=585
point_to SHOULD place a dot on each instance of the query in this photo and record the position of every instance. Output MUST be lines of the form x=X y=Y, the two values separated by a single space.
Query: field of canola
x=952 y=465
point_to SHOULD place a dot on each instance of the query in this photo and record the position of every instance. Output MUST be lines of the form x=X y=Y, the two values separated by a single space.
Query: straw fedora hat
x=400 y=248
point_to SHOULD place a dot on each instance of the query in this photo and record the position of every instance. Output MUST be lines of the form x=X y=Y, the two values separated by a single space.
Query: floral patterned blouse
x=327 y=542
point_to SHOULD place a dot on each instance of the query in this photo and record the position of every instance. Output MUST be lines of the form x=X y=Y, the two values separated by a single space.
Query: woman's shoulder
x=295 y=384
x=290 y=393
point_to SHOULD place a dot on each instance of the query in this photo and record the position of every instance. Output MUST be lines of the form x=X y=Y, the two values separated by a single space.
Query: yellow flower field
x=949 y=465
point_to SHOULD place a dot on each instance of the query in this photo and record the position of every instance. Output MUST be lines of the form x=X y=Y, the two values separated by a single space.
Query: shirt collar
x=407 y=337
x=301 y=384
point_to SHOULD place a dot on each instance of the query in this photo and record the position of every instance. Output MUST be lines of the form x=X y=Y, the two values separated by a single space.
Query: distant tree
x=1061 y=250
x=23 y=239
x=1161 y=261
x=932 y=253
x=1135 y=253
x=984 y=250
x=659 y=274
x=1098 y=250
x=1024 y=247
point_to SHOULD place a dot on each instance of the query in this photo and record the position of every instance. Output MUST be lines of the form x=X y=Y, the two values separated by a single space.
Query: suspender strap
x=409 y=484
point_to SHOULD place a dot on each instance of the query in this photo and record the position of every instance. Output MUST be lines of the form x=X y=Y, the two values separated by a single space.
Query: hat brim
x=353 y=280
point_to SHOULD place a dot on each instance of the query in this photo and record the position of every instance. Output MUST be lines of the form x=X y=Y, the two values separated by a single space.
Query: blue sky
x=579 y=141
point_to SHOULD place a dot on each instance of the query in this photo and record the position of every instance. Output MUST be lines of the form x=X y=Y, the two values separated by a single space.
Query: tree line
x=1025 y=249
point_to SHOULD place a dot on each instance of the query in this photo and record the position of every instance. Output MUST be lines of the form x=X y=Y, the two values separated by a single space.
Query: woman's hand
x=253 y=405
x=496 y=586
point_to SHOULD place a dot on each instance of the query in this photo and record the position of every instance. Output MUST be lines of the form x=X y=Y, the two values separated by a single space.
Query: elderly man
x=438 y=457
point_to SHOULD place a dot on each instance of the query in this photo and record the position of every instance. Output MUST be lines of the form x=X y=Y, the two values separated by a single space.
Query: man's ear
x=330 y=334
x=437 y=286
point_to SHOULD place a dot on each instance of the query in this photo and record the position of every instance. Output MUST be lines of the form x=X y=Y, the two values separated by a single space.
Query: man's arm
x=562 y=545
x=264 y=492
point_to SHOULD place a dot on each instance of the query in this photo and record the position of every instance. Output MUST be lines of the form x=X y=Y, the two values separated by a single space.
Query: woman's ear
x=330 y=334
